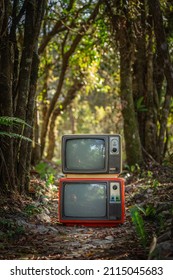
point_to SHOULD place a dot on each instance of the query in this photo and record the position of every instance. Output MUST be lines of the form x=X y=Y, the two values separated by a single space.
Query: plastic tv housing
x=91 y=194
x=91 y=201
x=91 y=154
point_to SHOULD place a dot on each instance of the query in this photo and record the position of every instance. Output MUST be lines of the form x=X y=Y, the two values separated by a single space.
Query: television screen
x=86 y=153
x=85 y=200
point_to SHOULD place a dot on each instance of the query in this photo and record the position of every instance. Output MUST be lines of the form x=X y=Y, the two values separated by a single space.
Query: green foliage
x=155 y=184
x=139 y=224
x=133 y=168
x=14 y=135
x=141 y=214
x=50 y=179
x=46 y=172
x=8 y=121
x=140 y=106
x=150 y=211
x=149 y=174
x=31 y=210
x=11 y=122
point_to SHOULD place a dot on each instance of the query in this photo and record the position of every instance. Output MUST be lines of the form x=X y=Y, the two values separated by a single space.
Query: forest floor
x=29 y=228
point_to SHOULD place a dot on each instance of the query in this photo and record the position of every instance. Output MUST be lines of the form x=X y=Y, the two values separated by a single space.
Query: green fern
x=8 y=121
x=14 y=135
x=12 y=121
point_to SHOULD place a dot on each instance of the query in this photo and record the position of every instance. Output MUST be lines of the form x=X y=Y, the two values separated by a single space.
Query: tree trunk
x=67 y=101
x=26 y=147
x=131 y=134
x=151 y=122
x=7 y=176
x=36 y=149
x=51 y=137
x=123 y=34
x=163 y=54
x=139 y=73
x=27 y=87
x=131 y=130
x=18 y=76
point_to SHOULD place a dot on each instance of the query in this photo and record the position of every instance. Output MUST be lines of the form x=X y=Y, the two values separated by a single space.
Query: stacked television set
x=91 y=193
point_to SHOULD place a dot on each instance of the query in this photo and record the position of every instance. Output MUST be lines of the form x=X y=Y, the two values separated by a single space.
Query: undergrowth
x=9 y=229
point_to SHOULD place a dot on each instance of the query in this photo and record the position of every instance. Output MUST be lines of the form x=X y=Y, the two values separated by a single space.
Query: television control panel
x=114 y=145
x=115 y=154
x=114 y=195
x=115 y=201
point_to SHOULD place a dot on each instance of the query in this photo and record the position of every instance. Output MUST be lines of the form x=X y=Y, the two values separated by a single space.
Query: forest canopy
x=74 y=66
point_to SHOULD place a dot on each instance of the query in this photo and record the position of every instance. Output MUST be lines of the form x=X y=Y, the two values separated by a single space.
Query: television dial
x=115 y=187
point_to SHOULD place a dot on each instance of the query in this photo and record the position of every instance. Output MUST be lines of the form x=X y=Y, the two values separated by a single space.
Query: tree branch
x=55 y=30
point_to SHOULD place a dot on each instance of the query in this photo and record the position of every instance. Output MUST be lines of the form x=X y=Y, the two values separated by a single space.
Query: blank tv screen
x=85 y=154
x=84 y=200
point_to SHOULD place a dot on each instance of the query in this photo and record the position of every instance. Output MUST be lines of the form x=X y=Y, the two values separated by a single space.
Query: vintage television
x=91 y=154
x=91 y=201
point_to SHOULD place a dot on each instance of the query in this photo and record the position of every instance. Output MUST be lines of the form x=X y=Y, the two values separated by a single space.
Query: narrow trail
x=97 y=243
x=50 y=240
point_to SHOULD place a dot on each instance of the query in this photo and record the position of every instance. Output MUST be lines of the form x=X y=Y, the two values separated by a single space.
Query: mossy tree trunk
x=139 y=73
x=165 y=61
x=131 y=131
x=144 y=91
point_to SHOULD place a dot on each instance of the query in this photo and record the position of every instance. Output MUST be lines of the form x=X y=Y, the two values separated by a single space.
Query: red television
x=91 y=154
x=91 y=201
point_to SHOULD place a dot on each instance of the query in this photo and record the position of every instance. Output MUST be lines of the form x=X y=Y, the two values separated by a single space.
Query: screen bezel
x=64 y=217
x=65 y=170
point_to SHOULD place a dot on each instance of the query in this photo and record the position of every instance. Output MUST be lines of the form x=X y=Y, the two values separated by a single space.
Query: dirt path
x=53 y=241
x=94 y=243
